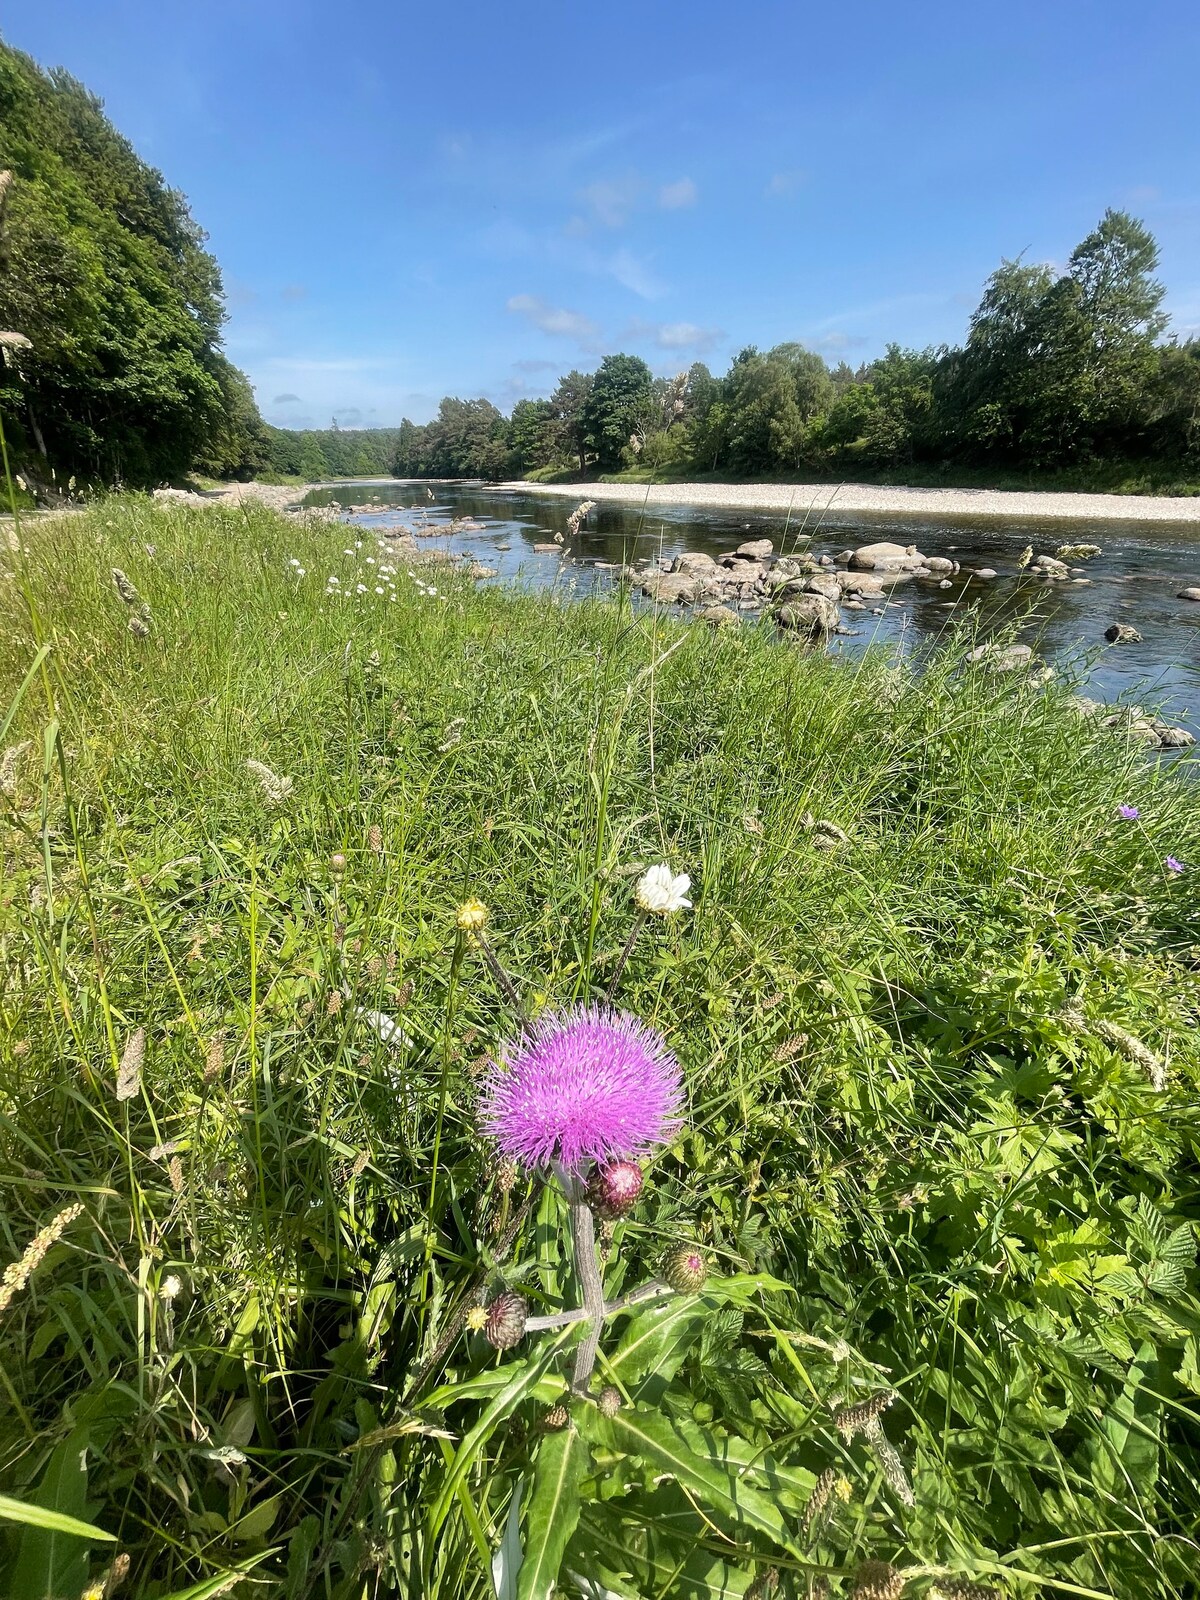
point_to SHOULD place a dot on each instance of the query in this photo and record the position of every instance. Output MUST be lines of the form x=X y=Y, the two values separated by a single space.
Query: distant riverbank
x=885 y=500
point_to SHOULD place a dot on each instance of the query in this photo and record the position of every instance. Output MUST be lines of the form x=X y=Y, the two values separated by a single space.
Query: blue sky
x=472 y=198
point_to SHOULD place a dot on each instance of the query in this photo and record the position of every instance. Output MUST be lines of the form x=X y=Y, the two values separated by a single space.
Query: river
x=1136 y=578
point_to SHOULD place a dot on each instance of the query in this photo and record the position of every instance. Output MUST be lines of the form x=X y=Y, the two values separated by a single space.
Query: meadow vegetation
x=935 y=1002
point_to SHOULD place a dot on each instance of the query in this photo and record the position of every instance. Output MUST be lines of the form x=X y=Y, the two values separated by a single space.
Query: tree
x=620 y=401
x=531 y=436
x=108 y=278
x=568 y=405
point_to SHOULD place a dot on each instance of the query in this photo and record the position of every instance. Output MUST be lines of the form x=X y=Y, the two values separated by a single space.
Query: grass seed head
x=19 y=1273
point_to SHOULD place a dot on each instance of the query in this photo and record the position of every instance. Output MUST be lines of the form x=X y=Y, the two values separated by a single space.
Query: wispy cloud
x=675 y=336
x=835 y=342
x=554 y=320
x=287 y=400
x=781 y=185
x=611 y=200
x=635 y=275
x=678 y=196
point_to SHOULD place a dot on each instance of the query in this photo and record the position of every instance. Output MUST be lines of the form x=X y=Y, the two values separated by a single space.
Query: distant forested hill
x=104 y=272
x=314 y=453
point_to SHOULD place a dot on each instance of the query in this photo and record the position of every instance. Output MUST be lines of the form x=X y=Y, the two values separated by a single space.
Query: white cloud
x=635 y=275
x=835 y=343
x=783 y=184
x=677 y=196
x=554 y=320
x=675 y=335
x=287 y=400
x=612 y=199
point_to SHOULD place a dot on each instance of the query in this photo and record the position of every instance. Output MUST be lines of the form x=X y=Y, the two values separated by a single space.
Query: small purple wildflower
x=1173 y=865
x=588 y=1084
x=1129 y=813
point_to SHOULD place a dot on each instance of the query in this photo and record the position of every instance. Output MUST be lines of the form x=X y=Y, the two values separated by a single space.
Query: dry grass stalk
x=19 y=1273
x=10 y=763
x=275 y=788
x=129 y=1073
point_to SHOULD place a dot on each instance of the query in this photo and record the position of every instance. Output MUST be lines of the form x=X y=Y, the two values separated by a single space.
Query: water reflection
x=1135 y=579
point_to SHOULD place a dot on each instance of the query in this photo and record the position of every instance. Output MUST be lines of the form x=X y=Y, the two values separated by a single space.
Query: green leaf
x=1125 y=1455
x=633 y=1562
x=709 y=1464
x=553 y=1511
x=53 y=1559
x=38 y=1517
x=219 y=1583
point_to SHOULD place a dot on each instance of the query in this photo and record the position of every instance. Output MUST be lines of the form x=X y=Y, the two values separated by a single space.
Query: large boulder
x=865 y=584
x=1010 y=658
x=753 y=550
x=942 y=565
x=1051 y=567
x=671 y=588
x=809 y=614
x=719 y=617
x=696 y=563
x=1122 y=633
x=887 y=557
x=1189 y=594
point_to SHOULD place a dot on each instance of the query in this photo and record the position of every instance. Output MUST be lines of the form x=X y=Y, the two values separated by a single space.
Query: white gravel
x=802 y=499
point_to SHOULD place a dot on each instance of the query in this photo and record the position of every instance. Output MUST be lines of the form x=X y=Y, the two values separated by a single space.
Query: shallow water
x=1135 y=579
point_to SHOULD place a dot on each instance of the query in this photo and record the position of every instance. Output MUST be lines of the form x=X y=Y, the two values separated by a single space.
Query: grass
x=922 y=1131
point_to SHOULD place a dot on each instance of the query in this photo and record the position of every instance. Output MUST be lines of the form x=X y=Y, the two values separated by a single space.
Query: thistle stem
x=638 y=919
x=563 y=1319
x=508 y=988
x=587 y=1269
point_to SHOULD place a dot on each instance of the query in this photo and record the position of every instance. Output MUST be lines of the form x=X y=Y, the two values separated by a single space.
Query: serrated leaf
x=695 y=1457
x=553 y=1511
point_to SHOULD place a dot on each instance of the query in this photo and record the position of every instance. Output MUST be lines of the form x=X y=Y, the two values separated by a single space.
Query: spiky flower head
x=685 y=1269
x=613 y=1190
x=472 y=916
x=477 y=1319
x=877 y=1580
x=506 y=1316
x=662 y=891
x=588 y=1084
x=337 y=863
x=609 y=1401
x=1128 y=813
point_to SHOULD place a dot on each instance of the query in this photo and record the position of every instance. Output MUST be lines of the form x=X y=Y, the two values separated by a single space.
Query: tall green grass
x=915 y=1088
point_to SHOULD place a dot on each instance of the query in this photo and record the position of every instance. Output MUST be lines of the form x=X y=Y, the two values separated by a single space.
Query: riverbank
x=928 y=971
x=812 y=501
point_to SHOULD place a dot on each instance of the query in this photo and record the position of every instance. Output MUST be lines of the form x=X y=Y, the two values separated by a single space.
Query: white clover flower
x=360 y=588
x=333 y=579
x=170 y=1287
x=431 y=590
x=370 y=561
x=292 y=562
x=378 y=588
x=347 y=551
x=301 y=572
x=661 y=891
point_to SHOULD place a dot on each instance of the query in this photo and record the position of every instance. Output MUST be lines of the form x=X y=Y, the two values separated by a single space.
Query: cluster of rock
x=1135 y=723
x=805 y=593
x=405 y=547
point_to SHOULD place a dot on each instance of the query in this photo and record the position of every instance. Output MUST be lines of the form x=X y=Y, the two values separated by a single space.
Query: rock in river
x=810 y=614
x=1122 y=633
x=1189 y=594
x=887 y=557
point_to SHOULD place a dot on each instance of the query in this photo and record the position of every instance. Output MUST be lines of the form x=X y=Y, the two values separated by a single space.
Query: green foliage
x=315 y=454
x=918 y=1162
x=106 y=275
x=618 y=403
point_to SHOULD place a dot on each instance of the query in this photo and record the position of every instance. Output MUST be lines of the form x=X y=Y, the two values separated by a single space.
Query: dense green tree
x=107 y=276
x=620 y=401
x=568 y=405
x=532 y=438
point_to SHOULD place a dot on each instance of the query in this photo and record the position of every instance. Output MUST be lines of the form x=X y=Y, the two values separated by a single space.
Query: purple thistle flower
x=589 y=1084
x=1173 y=865
x=1129 y=813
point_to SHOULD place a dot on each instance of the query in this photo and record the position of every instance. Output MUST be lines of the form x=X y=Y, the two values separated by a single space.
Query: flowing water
x=1136 y=578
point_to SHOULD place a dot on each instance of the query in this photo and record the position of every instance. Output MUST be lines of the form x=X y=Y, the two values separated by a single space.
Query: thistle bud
x=609 y=1401
x=337 y=863
x=614 y=1189
x=685 y=1269
x=556 y=1419
x=505 y=1326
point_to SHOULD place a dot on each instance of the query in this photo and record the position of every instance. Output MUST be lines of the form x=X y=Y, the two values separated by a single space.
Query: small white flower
x=370 y=561
x=292 y=562
x=661 y=891
x=301 y=572
x=347 y=551
x=170 y=1287
x=431 y=590
x=378 y=588
x=388 y=1029
x=360 y=588
x=333 y=579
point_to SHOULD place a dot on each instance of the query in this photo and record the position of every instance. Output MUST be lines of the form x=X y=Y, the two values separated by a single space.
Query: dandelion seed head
x=588 y=1084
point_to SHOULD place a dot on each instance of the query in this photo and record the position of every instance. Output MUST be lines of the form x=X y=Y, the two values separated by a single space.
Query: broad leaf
x=51 y=1559
x=553 y=1511
x=633 y=1562
x=700 y=1460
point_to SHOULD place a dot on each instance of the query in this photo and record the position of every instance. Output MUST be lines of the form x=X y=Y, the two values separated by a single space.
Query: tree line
x=111 y=367
x=1059 y=369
